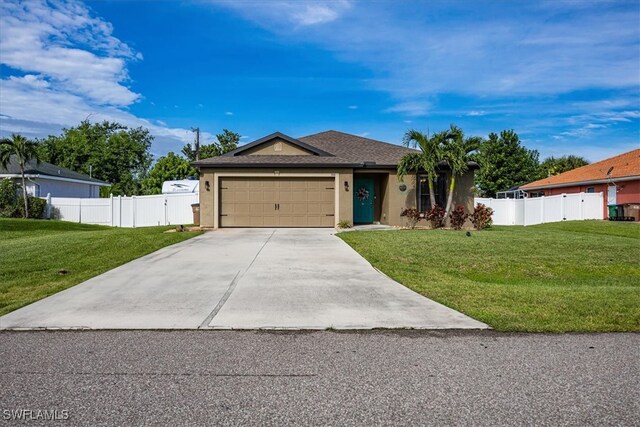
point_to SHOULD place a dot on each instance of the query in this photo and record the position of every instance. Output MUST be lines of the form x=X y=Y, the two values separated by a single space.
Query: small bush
x=413 y=216
x=8 y=198
x=36 y=206
x=344 y=223
x=458 y=216
x=481 y=216
x=435 y=216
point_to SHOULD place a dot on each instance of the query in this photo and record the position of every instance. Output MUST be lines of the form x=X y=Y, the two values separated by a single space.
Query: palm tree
x=455 y=151
x=24 y=150
x=427 y=160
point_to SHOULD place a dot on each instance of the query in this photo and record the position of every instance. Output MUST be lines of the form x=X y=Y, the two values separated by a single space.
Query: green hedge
x=12 y=205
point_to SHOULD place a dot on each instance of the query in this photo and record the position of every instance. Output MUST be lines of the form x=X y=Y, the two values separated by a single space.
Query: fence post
x=542 y=209
x=48 y=205
x=562 y=215
x=111 y=210
x=581 y=205
x=79 y=211
x=165 y=209
x=120 y=211
x=133 y=211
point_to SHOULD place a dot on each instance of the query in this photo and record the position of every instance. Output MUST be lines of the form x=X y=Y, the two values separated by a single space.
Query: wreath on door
x=362 y=194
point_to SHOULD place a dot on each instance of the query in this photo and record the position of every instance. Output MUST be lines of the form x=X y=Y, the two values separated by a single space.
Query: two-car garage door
x=277 y=202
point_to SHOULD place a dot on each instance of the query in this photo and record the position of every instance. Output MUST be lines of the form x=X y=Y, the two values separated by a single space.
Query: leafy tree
x=456 y=152
x=167 y=168
x=108 y=151
x=226 y=141
x=504 y=163
x=427 y=160
x=555 y=166
x=23 y=150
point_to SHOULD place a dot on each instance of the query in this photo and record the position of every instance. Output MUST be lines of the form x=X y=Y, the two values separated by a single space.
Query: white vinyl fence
x=539 y=210
x=135 y=211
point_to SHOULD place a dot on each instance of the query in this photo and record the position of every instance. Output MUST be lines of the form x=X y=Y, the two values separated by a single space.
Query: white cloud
x=65 y=44
x=499 y=49
x=352 y=107
x=411 y=108
x=475 y=113
x=74 y=69
x=275 y=13
x=228 y=113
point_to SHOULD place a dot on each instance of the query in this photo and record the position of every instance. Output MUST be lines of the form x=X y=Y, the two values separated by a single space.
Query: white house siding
x=40 y=187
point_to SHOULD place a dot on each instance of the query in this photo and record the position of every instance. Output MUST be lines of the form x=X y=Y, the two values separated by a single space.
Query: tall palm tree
x=427 y=160
x=455 y=151
x=23 y=150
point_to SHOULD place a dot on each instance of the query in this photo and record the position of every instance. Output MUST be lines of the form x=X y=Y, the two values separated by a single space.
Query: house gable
x=278 y=144
x=277 y=147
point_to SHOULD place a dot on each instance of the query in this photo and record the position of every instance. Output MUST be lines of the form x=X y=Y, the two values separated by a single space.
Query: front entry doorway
x=363 y=200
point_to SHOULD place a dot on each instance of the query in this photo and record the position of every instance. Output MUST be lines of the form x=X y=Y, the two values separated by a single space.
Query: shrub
x=36 y=207
x=435 y=216
x=344 y=223
x=481 y=216
x=413 y=216
x=8 y=198
x=458 y=216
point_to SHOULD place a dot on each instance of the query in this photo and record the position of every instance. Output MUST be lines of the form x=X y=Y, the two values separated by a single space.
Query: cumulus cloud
x=65 y=65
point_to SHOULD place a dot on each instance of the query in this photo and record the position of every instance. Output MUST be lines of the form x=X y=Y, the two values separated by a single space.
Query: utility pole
x=197 y=131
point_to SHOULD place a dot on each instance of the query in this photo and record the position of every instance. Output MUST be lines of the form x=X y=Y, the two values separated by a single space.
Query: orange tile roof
x=624 y=166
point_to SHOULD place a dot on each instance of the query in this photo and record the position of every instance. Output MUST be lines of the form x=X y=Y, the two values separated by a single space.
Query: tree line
x=114 y=153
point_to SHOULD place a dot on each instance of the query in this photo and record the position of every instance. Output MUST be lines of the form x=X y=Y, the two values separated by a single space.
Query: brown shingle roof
x=357 y=149
x=624 y=166
x=338 y=149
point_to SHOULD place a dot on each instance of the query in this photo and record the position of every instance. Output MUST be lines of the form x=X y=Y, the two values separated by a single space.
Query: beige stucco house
x=315 y=181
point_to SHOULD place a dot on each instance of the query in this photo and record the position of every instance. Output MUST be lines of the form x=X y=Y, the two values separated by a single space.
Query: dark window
x=591 y=190
x=439 y=187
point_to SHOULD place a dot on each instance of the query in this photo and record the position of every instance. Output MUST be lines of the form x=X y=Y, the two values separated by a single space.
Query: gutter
x=53 y=178
x=594 y=181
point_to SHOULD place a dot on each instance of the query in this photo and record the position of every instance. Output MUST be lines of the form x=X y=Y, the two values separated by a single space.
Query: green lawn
x=572 y=276
x=33 y=251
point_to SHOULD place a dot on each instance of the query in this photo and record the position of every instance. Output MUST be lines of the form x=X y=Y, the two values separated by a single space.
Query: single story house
x=617 y=178
x=316 y=181
x=45 y=178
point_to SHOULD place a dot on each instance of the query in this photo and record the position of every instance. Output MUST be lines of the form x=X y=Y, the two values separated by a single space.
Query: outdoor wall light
x=346 y=186
x=207 y=186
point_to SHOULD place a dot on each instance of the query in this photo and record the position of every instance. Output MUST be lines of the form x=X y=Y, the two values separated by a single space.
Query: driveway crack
x=232 y=286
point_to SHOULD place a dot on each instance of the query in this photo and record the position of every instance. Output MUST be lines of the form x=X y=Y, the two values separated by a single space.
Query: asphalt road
x=322 y=378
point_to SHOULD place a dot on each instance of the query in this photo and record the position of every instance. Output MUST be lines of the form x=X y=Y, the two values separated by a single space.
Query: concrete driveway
x=242 y=279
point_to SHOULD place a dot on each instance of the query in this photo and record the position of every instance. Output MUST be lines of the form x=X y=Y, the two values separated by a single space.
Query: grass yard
x=33 y=251
x=561 y=277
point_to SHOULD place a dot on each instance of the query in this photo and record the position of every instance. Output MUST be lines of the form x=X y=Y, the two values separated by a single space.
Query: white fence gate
x=135 y=211
x=539 y=210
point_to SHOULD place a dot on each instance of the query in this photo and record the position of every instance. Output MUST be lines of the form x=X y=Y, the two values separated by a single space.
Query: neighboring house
x=44 y=178
x=315 y=181
x=618 y=178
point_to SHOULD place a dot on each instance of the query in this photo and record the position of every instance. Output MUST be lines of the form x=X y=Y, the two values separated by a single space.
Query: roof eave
x=574 y=183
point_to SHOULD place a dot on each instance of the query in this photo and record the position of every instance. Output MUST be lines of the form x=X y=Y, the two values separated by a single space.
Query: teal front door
x=363 y=201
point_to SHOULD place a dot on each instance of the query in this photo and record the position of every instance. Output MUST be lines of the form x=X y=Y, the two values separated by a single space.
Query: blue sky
x=565 y=75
